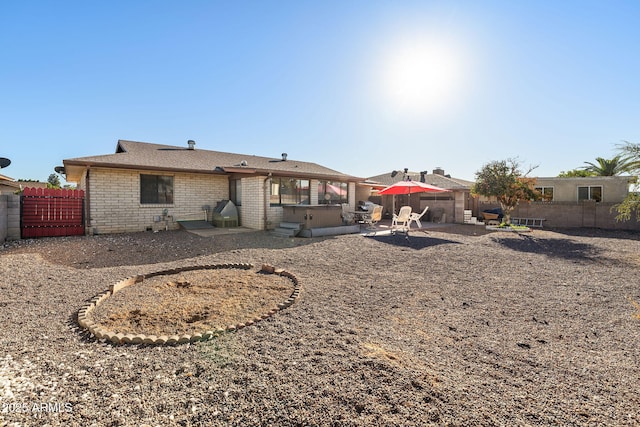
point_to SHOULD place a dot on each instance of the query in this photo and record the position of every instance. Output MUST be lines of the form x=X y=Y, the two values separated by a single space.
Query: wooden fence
x=52 y=212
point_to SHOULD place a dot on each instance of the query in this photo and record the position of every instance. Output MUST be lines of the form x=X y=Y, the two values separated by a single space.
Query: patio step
x=287 y=229
x=291 y=225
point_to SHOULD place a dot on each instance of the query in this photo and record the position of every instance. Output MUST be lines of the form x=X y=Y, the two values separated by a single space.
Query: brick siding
x=252 y=209
x=114 y=200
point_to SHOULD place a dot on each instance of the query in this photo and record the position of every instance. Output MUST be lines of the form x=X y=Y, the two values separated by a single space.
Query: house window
x=156 y=189
x=235 y=191
x=333 y=192
x=590 y=193
x=289 y=191
x=546 y=192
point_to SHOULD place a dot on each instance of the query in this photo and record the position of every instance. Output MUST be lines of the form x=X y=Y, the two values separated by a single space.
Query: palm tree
x=609 y=167
x=631 y=152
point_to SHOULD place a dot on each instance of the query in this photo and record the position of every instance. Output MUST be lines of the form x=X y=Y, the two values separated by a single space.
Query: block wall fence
x=587 y=214
x=9 y=217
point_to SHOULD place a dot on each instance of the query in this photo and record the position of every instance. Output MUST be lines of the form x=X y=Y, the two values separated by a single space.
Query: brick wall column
x=352 y=195
x=3 y=218
x=13 y=217
x=458 y=207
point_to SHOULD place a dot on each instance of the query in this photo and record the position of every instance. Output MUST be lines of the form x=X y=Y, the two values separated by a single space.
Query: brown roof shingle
x=144 y=155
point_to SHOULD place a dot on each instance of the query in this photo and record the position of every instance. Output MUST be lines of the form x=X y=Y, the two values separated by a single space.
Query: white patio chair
x=371 y=219
x=415 y=216
x=401 y=220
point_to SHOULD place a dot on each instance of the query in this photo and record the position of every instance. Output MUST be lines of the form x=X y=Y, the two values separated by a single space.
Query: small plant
x=514 y=227
x=221 y=351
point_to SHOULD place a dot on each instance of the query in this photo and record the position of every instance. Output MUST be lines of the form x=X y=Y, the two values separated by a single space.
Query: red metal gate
x=51 y=212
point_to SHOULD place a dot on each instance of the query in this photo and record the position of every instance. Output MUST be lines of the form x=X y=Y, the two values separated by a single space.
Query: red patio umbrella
x=410 y=187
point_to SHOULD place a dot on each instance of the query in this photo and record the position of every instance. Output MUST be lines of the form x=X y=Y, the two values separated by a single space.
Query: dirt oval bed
x=188 y=304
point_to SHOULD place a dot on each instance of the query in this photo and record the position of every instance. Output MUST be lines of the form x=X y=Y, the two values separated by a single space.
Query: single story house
x=574 y=202
x=445 y=207
x=11 y=186
x=607 y=189
x=145 y=186
x=8 y=185
x=571 y=190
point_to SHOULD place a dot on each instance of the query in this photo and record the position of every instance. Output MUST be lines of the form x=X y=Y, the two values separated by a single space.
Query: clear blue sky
x=362 y=87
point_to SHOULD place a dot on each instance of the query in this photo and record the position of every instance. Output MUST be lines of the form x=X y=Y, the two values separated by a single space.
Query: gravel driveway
x=450 y=327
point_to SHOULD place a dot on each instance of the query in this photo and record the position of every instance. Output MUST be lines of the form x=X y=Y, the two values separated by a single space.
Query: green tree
x=630 y=206
x=631 y=152
x=575 y=173
x=504 y=180
x=609 y=167
x=53 y=181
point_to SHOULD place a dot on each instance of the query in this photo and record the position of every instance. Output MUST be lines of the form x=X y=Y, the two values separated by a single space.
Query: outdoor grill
x=225 y=214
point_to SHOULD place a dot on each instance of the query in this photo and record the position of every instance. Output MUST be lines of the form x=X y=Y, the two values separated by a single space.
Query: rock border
x=119 y=338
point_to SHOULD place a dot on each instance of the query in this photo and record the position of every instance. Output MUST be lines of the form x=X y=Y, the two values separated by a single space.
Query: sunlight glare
x=421 y=77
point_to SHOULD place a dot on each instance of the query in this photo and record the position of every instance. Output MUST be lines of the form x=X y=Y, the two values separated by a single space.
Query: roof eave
x=87 y=165
x=74 y=175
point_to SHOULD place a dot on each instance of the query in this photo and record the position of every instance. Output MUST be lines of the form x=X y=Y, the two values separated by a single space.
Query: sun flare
x=421 y=77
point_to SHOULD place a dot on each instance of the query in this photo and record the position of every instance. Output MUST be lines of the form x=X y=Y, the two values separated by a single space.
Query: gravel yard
x=453 y=326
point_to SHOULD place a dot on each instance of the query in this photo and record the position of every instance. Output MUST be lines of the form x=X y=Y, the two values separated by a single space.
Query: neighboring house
x=574 y=202
x=8 y=185
x=452 y=204
x=608 y=189
x=11 y=186
x=569 y=202
x=601 y=189
x=144 y=186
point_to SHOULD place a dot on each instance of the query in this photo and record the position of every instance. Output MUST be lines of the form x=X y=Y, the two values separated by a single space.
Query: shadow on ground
x=111 y=250
x=553 y=248
x=417 y=242
x=599 y=233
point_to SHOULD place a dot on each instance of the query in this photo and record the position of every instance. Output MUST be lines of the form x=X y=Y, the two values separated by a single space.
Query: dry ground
x=192 y=302
x=450 y=327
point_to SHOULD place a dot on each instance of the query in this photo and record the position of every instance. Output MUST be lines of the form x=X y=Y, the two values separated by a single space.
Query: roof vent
x=284 y=157
x=191 y=143
x=243 y=163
